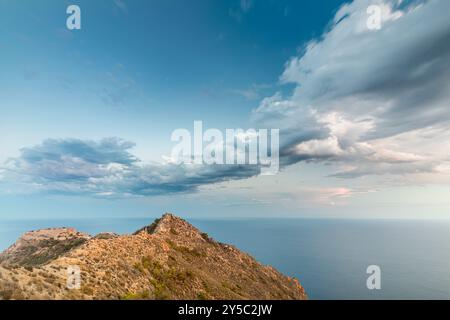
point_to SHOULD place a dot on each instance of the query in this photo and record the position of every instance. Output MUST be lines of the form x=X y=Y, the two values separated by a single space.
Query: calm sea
x=329 y=257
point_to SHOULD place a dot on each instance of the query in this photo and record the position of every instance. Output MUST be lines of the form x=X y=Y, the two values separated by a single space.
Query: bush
x=136 y=296
x=206 y=237
x=202 y=296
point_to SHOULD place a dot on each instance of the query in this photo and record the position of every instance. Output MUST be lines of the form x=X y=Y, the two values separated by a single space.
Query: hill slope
x=169 y=259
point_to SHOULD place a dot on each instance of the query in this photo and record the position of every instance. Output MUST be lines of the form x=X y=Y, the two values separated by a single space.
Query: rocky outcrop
x=170 y=259
x=35 y=248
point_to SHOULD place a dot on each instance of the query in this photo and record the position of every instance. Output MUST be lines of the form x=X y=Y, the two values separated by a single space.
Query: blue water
x=329 y=257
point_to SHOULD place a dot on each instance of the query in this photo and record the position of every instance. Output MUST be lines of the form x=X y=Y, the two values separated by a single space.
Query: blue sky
x=89 y=113
x=134 y=64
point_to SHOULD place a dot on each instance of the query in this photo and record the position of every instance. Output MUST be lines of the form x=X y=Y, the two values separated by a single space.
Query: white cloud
x=319 y=148
x=372 y=102
x=106 y=167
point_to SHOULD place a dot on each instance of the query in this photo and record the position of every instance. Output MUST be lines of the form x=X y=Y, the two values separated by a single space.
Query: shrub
x=136 y=296
x=202 y=296
x=206 y=237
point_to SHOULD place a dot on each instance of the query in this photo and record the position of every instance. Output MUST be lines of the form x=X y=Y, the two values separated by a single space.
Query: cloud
x=391 y=73
x=241 y=9
x=364 y=99
x=302 y=197
x=107 y=169
x=327 y=196
x=328 y=147
x=253 y=92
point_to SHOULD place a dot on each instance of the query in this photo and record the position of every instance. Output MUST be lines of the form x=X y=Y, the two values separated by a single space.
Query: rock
x=38 y=247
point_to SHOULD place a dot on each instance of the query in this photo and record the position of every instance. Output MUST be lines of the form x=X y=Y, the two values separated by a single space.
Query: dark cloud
x=111 y=150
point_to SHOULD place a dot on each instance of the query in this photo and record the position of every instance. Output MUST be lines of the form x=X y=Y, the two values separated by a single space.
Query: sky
x=87 y=115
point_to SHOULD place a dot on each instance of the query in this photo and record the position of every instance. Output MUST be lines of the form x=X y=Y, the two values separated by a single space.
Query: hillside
x=169 y=259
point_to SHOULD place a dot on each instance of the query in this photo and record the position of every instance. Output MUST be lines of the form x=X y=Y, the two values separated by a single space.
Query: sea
x=329 y=257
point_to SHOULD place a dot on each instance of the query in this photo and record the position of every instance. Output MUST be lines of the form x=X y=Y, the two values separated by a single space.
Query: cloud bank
x=369 y=100
x=108 y=169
